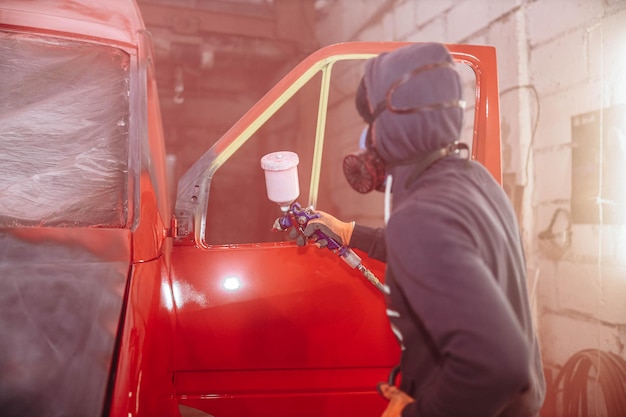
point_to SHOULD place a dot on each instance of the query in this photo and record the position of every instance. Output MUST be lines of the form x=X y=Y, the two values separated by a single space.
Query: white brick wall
x=376 y=32
x=467 y=18
x=548 y=19
x=559 y=64
x=427 y=10
x=404 y=19
x=562 y=335
x=557 y=184
x=344 y=19
x=504 y=35
x=499 y=8
x=554 y=128
x=604 y=287
x=434 y=31
x=606 y=49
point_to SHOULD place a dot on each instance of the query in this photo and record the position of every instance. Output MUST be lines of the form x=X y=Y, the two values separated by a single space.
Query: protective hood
x=397 y=137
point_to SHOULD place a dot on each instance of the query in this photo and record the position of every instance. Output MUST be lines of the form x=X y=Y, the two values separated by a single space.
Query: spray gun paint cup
x=281 y=177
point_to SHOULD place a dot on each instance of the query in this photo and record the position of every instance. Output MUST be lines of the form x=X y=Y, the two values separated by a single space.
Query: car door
x=265 y=327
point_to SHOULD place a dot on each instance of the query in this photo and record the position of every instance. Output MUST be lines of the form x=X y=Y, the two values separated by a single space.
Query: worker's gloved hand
x=320 y=239
x=330 y=226
x=397 y=399
x=294 y=234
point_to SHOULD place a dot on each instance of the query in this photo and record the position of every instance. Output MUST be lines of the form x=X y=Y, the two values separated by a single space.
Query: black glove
x=335 y=229
x=313 y=226
x=294 y=233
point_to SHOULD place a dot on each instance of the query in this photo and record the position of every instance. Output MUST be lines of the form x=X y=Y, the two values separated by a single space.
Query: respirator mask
x=366 y=170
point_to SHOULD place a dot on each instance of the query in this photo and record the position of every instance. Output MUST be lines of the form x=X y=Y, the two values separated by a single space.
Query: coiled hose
x=570 y=389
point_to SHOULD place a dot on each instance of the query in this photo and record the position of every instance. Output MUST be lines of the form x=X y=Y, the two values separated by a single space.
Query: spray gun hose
x=371 y=278
x=354 y=261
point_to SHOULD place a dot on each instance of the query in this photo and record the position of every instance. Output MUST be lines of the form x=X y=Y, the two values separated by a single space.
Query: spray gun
x=281 y=179
x=299 y=218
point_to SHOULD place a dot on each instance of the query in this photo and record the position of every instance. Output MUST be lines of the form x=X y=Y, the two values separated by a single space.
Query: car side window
x=343 y=130
x=239 y=210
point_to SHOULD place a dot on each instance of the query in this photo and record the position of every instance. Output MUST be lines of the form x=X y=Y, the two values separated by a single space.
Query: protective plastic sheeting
x=64 y=114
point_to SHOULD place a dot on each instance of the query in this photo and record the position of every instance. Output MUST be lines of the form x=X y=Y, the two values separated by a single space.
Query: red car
x=116 y=301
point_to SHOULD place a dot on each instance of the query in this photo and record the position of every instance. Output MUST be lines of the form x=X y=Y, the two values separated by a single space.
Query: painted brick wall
x=557 y=59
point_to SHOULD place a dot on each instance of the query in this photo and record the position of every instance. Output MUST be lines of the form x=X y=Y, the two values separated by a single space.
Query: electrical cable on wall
x=522 y=186
x=558 y=241
x=535 y=123
x=569 y=394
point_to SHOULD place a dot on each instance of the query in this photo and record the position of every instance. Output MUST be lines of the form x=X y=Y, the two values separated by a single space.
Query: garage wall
x=562 y=77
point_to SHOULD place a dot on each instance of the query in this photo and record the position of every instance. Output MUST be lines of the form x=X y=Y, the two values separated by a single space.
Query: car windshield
x=64 y=119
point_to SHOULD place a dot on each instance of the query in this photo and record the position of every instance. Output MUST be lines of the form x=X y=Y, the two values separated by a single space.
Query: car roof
x=111 y=20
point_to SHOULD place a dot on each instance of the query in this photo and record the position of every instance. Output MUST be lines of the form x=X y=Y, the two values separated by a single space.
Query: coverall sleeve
x=484 y=354
x=370 y=240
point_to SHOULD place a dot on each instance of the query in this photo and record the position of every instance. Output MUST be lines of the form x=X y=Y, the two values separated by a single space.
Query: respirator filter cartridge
x=364 y=171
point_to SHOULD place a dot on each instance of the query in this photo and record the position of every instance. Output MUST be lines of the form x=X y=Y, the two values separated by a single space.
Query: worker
x=455 y=279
